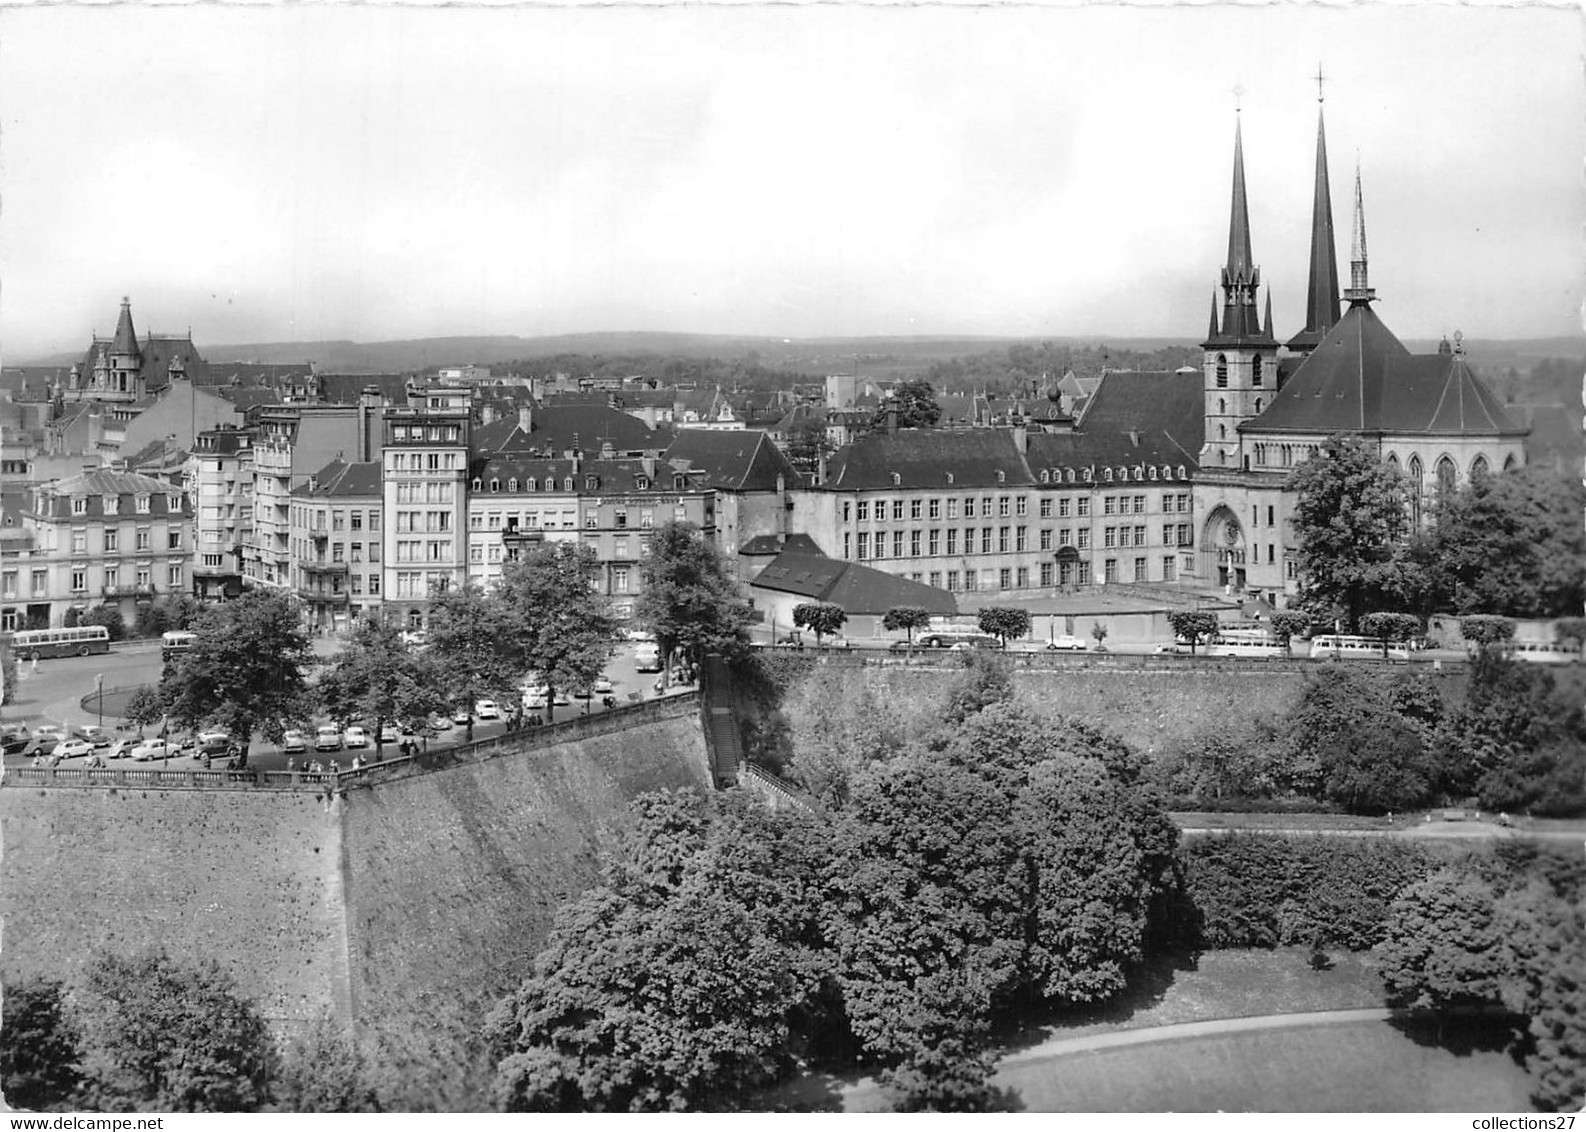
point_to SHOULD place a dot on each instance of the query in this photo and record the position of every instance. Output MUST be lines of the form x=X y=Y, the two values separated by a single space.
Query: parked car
x=534 y=698
x=98 y=737
x=415 y=637
x=390 y=733
x=461 y=717
x=327 y=738
x=1171 y=650
x=1067 y=643
x=151 y=749
x=439 y=722
x=121 y=748
x=15 y=739
x=41 y=745
x=603 y=687
x=294 y=742
x=487 y=709
x=73 y=748
x=213 y=742
x=354 y=737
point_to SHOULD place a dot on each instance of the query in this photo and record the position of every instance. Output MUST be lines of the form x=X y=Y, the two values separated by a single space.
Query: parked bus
x=1347 y=647
x=37 y=644
x=1536 y=652
x=1261 y=648
x=176 y=642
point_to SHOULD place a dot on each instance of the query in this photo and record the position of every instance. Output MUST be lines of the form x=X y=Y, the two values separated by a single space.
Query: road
x=50 y=691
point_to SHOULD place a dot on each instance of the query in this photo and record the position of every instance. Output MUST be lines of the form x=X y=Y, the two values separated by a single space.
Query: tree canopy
x=379 y=678
x=820 y=617
x=914 y=401
x=906 y=617
x=689 y=600
x=1350 y=520
x=1193 y=625
x=245 y=669
x=558 y=619
x=1005 y=622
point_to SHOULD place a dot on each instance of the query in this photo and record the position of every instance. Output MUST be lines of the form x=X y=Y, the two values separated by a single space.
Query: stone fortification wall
x=408 y=907
x=250 y=879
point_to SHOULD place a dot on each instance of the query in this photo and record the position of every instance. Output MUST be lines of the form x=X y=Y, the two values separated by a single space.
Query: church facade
x=1269 y=406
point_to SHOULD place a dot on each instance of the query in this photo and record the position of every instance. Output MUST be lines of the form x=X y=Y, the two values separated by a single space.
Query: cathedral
x=1269 y=405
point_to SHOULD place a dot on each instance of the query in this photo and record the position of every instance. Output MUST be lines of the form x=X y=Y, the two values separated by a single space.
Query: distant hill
x=872 y=356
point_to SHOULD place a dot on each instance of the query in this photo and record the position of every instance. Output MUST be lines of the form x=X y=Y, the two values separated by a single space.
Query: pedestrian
x=335 y=767
x=291 y=763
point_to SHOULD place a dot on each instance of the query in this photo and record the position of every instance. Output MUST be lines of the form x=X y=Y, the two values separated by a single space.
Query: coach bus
x=1345 y=647
x=38 y=644
x=175 y=643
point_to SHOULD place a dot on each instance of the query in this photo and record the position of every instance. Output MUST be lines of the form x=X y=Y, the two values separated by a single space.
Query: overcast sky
x=298 y=172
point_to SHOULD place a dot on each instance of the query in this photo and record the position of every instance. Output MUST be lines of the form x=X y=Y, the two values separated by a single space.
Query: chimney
x=1021 y=437
x=1134 y=437
x=526 y=417
x=820 y=470
x=649 y=467
x=487 y=414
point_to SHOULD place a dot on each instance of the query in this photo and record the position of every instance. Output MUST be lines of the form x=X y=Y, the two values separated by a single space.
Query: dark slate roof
x=246 y=397
x=733 y=460
x=1133 y=417
x=157 y=454
x=125 y=340
x=154 y=361
x=347 y=388
x=339 y=479
x=618 y=475
x=860 y=590
x=95 y=485
x=923 y=457
x=762 y=546
x=556 y=429
x=1362 y=379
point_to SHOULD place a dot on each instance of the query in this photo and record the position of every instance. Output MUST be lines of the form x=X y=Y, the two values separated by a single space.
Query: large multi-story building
x=336 y=544
x=424 y=476
x=99 y=538
x=220 y=473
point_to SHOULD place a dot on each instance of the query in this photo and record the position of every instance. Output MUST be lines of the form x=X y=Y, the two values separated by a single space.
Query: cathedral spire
x=1321 y=307
x=1239 y=257
x=1213 y=332
x=1359 y=292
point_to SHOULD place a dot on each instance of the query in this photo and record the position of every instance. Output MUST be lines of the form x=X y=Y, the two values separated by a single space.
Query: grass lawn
x=1351 y=1067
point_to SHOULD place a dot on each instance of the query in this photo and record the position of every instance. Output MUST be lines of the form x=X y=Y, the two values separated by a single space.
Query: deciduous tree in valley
x=1486 y=630
x=915 y=404
x=38 y=1046
x=378 y=678
x=1286 y=624
x=1443 y=948
x=244 y=672
x=1390 y=628
x=161 y=1034
x=1005 y=622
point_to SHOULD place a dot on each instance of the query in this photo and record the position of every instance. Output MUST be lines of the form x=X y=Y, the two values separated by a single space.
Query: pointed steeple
x=1359 y=291
x=1268 y=322
x=125 y=340
x=1241 y=278
x=1213 y=332
x=1321 y=307
x=1239 y=257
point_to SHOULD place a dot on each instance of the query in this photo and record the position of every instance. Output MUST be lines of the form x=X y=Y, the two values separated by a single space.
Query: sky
x=300 y=172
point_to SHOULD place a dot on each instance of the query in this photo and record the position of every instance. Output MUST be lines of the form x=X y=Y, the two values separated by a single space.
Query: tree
x=163 y=1035
x=1195 y=626
x=1544 y=970
x=245 y=669
x=108 y=616
x=807 y=443
x=1511 y=543
x=379 y=678
x=323 y=1071
x=475 y=647
x=1378 y=769
x=1443 y=948
x=38 y=1046
x=906 y=617
x=1570 y=631
x=1350 y=519
x=915 y=403
x=1389 y=627
x=557 y=616
x=1486 y=631
x=986 y=680
x=145 y=708
x=1286 y=624
x=1005 y=622
x=1098 y=633
x=688 y=974
x=689 y=601
x=820 y=617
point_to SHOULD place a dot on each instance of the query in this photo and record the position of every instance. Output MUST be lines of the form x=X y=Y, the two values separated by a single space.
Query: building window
x=1140 y=572
x=934 y=509
x=174 y=576
x=173 y=540
x=619 y=579
x=112 y=504
x=985 y=540
x=338 y=520
x=1169 y=568
x=897 y=511
x=1046 y=538
x=1082 y=538
x=1021 y=541
x=914 y=544
x=935 y=542
x=862 y=510
x=79 y=581
x=1222 y=371
x=952 y=508
x=864 y=545
x=1110 y=571
x=1046 y=574
x=952 y=581
x=41 y=583
x=1109 y=537
x=145 y=579
x=142 y=540
x=936 y=579
x=79 y=542
x=847 y=545
x=1046 y=508
x=971 y=580
x=914 y=510
x=1002 y=507
x=897 y=543
x=1082 y=573
x=1004 y=579
x=79 y=505
x=1255 y=375
x=952 y=540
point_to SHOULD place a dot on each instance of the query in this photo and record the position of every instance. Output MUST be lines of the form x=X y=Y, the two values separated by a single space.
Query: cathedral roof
x=1361 y=378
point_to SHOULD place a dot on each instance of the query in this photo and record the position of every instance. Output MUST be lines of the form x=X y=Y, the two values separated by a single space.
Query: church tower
x=1241 y=354
x=1321 y=306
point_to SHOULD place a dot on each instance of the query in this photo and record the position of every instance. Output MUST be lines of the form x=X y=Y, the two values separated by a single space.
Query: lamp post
x=99 y=698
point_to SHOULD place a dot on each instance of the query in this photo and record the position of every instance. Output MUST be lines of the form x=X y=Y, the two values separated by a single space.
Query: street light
x=99 y=696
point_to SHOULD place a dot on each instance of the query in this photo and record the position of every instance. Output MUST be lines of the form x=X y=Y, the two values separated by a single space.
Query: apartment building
x=220 y=472
x=102 y=537
x=424 y=481
x=336 y=543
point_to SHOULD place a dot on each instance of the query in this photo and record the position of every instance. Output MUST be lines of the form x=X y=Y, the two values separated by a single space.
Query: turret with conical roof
x=1321 y=307
x=1241 y=353
x=1360 y=292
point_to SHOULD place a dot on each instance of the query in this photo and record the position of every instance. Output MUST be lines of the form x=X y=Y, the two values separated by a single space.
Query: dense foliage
x=1005 y=622
x=955 y=873
x=38 y=1046
x=910 y=404
x=905 y=617
x=1373 y=740
x=689 y=600
x=380 y=679
x=1194 y=626
x=820 y=617
x=1261 y=890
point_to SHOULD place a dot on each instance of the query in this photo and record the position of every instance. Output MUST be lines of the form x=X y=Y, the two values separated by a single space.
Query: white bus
x=1347 y=647
x=35 y=644
x=176 y=641
x=1248 y=647
x=1536 y=652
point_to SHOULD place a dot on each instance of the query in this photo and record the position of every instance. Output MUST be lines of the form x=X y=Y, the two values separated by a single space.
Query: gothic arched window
x=1222 y=406
x=1478 y=467
x=1255 y=370
x=1447 y=475
x=1222 y=371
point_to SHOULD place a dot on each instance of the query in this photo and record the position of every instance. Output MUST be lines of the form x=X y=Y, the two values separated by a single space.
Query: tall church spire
x=125 y=340
x=1321 y=308
x=1359 y=291
x=1241 y=278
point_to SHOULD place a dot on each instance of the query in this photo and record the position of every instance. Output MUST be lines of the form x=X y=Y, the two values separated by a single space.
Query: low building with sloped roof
x=795 y=577
x=750 y=476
